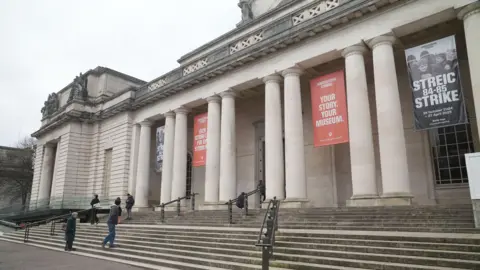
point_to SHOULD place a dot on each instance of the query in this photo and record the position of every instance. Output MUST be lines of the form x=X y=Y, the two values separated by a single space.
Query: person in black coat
x=94 y=201
x=70 y=231
x=129 y=203
x=261 y=189
x=241 y=201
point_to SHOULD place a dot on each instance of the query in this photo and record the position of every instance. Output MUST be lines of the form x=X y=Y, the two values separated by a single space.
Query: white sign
x=473 y=169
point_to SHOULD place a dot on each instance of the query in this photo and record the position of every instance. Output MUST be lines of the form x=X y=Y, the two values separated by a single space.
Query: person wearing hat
x=70 y=231
x=94 y=203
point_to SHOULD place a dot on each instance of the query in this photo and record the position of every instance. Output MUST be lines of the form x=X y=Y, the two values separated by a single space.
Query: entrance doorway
x=262 y=164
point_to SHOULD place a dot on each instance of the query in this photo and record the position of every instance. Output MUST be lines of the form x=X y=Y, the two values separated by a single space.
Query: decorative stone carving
x=196 y=66
x=247 y=42
x=154 y=86
x=79 y=89
x=50 y=106
x=312 y=12
x=246 y=7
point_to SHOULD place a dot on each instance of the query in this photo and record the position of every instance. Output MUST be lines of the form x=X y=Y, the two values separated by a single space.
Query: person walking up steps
x=94 y=203
x=129 y=203
x=113 y=220
x=70 y=231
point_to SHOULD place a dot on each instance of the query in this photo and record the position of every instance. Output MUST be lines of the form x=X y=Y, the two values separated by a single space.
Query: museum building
x=327 y=102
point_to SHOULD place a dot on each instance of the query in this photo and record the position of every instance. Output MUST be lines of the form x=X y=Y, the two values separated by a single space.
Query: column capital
x=381 y=40
x=355 y=49
x=292 y=72
x=182 y=110
x=228 y=94
x=469 y=10
x=169 y=114
x=213 y=99
x=272 y=78
x=146 y=123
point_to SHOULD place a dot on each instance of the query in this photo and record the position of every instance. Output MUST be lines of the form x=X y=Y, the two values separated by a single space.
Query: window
x=189 y=175
x=449 y=146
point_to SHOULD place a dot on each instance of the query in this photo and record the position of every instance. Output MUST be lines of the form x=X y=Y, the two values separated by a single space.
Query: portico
x=258 y=102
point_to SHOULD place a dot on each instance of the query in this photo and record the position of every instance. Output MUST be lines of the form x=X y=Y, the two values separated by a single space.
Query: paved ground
x=21 y=257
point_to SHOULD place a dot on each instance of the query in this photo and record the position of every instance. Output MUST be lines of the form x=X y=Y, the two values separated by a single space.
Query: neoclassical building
x=109 y=133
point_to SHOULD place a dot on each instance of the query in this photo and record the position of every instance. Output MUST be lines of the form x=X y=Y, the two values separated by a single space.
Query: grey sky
x=45 y=44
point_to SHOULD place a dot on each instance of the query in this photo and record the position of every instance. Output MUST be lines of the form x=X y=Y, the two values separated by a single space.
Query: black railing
x=53 y=220
x=178 y=201
x=245 y=208
x=266 y=240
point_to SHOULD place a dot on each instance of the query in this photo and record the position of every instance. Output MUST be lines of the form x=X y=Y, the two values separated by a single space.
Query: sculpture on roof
x=79 y=89
x=246 y=6
x=50 y=106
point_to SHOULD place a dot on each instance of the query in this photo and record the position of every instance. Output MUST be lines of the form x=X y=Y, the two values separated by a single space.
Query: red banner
x=200 y=140
x=329 y=109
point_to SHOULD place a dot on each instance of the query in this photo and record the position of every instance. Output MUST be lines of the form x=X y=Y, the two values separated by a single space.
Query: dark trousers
x=69 y=242
x=94 y=217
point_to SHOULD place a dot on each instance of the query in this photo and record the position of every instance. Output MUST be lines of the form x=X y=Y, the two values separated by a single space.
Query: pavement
x=23 y=257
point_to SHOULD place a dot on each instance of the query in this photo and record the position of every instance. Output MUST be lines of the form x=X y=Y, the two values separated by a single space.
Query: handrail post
x=230 y=212
x=162 y=213
x=193 y=201
x=178 y=207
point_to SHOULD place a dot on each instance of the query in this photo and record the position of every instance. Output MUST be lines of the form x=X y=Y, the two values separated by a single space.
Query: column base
x=363 y=200
x=391 y=199
x=476 y=212
x=142 y=209
x=213 y=206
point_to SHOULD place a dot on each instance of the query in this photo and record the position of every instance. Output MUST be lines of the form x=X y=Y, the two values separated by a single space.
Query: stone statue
x=246 y=6
x=79 y=89
x=50 y=106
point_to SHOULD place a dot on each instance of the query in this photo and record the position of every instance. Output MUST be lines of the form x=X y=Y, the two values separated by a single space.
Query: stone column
x=212 y=170
x=393 y=152
x=274 y=169
x=46 y=176
x=143 y=167
x=228 y=148
x=168 y=154
x=471 y=24
x=295 y=177
x=179 y=184
x=132 y=175
x=362 y=157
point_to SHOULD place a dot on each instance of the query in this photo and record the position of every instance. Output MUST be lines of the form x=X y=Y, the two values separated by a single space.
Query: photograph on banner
x=160 y=138
x=437 y=92
x=329 y=109
x=200 y=140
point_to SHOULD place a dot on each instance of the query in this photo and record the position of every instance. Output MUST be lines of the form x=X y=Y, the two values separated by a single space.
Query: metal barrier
x=178 y=201
x=245 y=208
x=267 y=240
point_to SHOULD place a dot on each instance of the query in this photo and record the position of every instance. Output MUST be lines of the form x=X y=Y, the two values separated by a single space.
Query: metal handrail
x=178 y=200
x=245 y=209
x=267 y=240
x=52 y=220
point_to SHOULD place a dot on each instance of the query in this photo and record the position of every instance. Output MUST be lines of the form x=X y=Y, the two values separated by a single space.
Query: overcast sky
x=45 y=44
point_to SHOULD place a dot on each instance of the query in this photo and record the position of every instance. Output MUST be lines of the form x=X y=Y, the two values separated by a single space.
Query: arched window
x=189 y=175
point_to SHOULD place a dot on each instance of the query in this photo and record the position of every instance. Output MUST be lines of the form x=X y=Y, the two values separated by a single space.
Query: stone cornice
x=469 y=10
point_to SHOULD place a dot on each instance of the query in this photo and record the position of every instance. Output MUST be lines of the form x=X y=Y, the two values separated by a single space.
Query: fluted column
x=168 y=153
x=295 y=177
x=362 y=157
x=179 y=184
x=143 y=167
x=212 y=170
x=274 y=167
x=471 y=24
x=393 y=153
x=228 y=148
x=132 y=175
x=47 y=175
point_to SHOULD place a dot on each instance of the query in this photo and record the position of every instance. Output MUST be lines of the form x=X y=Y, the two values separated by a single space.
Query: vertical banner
x=160 y=139
x=435 y=82
x=200 y=140
x=329 y=109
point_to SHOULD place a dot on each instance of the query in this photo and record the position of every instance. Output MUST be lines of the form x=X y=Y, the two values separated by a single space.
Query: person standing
x=261 y=189
x=112 y=221
x=70 y=231
x=94 y=203
x=129 y=203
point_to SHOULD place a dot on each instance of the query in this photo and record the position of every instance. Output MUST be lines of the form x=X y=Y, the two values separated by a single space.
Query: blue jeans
x=111 y=234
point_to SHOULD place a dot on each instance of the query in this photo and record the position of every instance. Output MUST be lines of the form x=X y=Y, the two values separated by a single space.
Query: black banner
x=435 y=81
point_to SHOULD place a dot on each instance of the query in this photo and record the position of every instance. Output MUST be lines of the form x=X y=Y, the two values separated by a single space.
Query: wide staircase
x=319 y=238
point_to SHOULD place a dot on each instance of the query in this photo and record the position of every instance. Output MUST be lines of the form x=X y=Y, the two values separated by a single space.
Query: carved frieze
x=313 y=12
x=50 y=106
x=195 y=66
x=247 y=42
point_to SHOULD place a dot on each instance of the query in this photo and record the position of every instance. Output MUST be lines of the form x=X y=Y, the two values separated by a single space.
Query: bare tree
x=16 y=171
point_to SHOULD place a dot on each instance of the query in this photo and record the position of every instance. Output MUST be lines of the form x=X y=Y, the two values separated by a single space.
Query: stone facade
x=253 y=82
